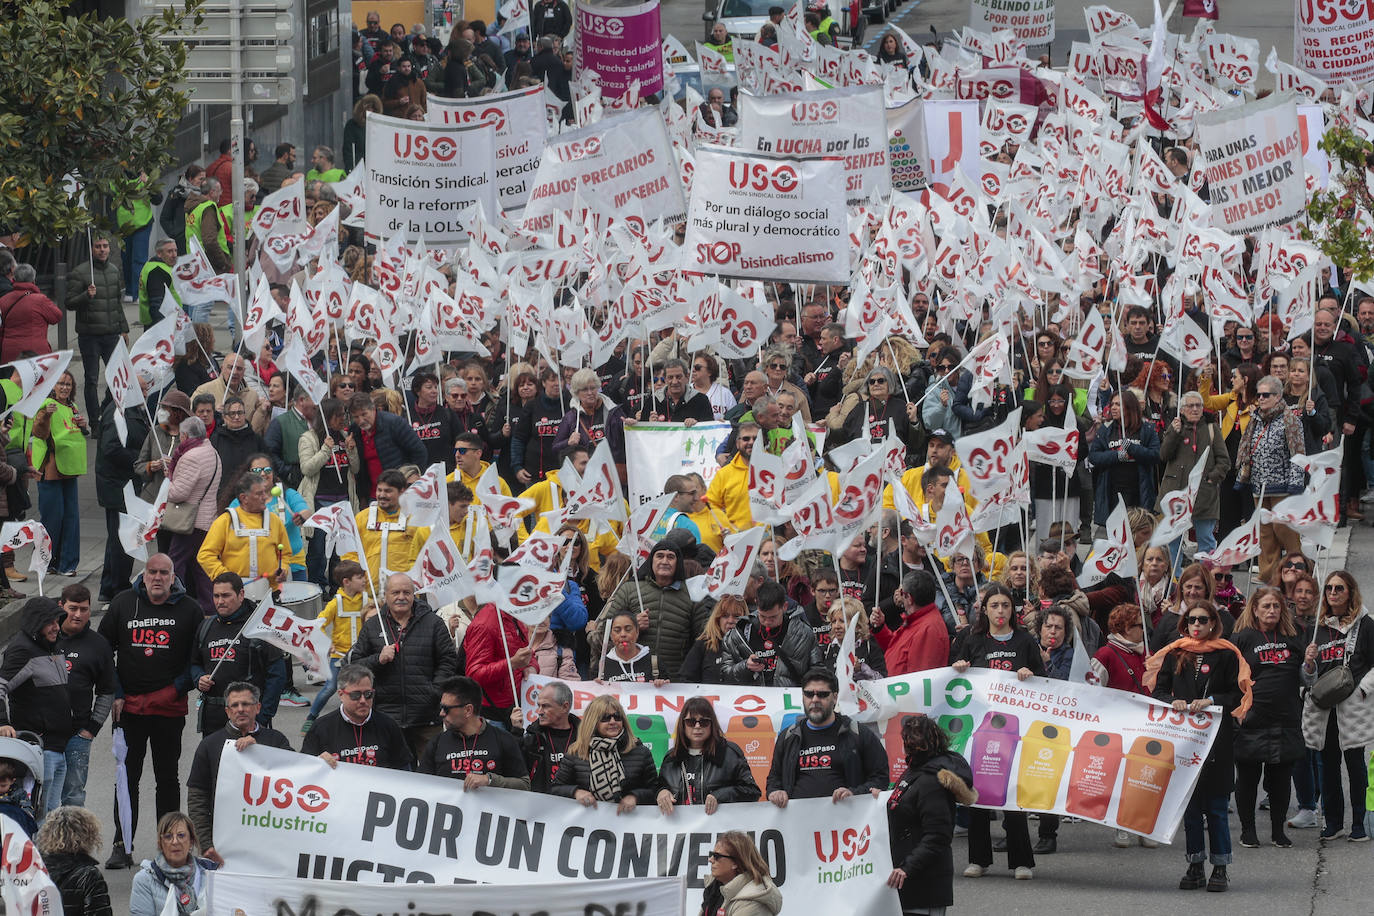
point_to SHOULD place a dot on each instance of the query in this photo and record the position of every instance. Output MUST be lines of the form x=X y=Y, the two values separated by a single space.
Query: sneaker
x=974 y=871
x=314 y=679
x=1149 y=843
x=1305 y=819
x=305 y=726
x=1332 y=832
x=999 y=844
x=1357 y=835
x=1023 y=873
x=1264 y=803
x=1249 y=839
x=293 y=698
x=1122 y=840
x=960 y=831
x=1281 y=841
x=119 y=859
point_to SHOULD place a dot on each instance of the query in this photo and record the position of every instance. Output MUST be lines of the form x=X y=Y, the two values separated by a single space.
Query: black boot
x=119 y=858
x=1194 y=878
x=1217 y=883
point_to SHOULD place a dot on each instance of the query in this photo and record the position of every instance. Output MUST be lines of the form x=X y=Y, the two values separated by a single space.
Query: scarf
x=183 y=879
x=1198 y=647
x=182 y=447
x=1125 y=644
x=608 y=771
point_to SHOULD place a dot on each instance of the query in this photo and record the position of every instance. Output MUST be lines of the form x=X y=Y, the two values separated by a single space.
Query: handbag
x=180 y=517
x=1336 y=685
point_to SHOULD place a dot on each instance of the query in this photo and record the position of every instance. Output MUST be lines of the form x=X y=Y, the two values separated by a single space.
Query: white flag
x=1177 y=505
x=303 y=639
x=530 y=595
x=282 y=212
x=729 y=572
x=598 y=494
x=1242 y=543
x=989 y=457
x=635 y=542
x=139 y=522
x=25 y=886
x=439 y=569
x=426 y=500
x=340 y=528
x=1113 y=554
x=1052 y=445
x=855 y=696
x=14 y=535
x=292 y=359
x=36 y=378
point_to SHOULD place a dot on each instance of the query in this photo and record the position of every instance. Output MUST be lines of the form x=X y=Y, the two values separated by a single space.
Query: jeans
x=1213 y=809
x=327 y=690
x=1018 y=838
x=54 y=776
x=135 y=256
x=317 y=563
x=119 y=566
x=1333 y=802
x=1205 y=530
x=95 y=349
x=1307 y=779
x=164 y=734
x=78 y=768
x=61 y=516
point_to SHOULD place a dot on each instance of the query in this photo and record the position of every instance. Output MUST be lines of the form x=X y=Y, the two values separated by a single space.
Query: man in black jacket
x=33 y=690
x=550 y=17
x=825 y=754
x=90 y=689
x=410 y=653
x=777 y=649
x=243 y=702
x=679 y=403
x=356 y=732
x=152 y=630
x=222 y=656
x=114 y=467
x=385 y=442
x=546 y=741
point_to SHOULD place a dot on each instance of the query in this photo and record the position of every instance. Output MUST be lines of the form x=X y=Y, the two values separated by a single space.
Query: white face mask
x=162 y=415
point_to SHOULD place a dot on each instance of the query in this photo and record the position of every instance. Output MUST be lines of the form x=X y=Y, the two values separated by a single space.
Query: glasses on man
x=445 y=708
x=816 y=694
x=777 y=365
x=356 y=695
x=236 y=413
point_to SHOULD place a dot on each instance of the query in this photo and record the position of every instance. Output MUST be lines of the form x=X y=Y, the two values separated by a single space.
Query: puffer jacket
x=25 y=316
x=33 y=679
x=641 y=776
x=197 y=477
x=103 y=314
x=726 y=775
x=1355 y=714
x=920 y=816
x=674 y=618
x=797 y=654
x=746 y=897
x=78 y=878
x=114 y=461
x=408 y=687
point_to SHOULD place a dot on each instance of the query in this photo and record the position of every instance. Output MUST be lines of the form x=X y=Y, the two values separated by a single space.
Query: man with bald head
x=754 y=386
x=230 y=382
x=410 y=653
x=152 y=629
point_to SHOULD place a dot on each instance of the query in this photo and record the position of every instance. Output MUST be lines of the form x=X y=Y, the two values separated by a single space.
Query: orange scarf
x=1198 y=647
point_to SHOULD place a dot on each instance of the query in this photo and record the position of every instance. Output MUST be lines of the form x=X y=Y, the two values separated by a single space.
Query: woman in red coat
x=486 y=658
x=25 y=316
x=1121 y=662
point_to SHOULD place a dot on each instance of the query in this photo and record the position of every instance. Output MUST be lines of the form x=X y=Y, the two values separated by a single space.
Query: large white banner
x=951 y=141
x=848 y=122
x=421 y=177
x=284 y=814
x=656 y=451
x=234 y=894
x=1252 y=157
x=623 y=166
x=908 y=160
x=765 y=217
x=518 y=117
x=1031 y=20
x=1117 y=758
x=1334 y=40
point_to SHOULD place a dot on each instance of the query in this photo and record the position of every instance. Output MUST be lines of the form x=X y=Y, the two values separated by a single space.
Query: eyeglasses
x=236 y=413
x=1245 y=337
x=344 y=385
x=356 y=695
x=1335 y=587
x=445 y=708
x=1054 y=371
x=1224 y=577
x=777 y=365
x=260 y=471
x=876 y=381
x=1268 y=394
x=1196 y=618
x=181 y=837
x=612 y=717
x=463 y=450
x=947 y=368
x=1295 y=564
x=1057 y=402
x=1044 y=343
x=697 y=721
x=816 y=694
x=713 y=856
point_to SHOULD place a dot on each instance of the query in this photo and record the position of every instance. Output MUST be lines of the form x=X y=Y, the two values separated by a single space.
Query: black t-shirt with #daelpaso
x=490 y=752
x=819 y=769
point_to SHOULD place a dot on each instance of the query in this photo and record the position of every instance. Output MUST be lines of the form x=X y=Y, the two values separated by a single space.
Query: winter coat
x=408 y=686
x=1355 y=714
x=314 y=457
x=702 y=666
x=746 y=897
x=486 y=654
x=33 y=679
x=236 y=445
x=196 y=477
x=533 y=743
x=920 y=818
x=533 y=432
x=1220 y=683
x=608 y=422
x=1180 y=452
x=115 y=462
x=641 y=777
x=78 y=879
x=797 y=654
x=1144 y=453
x=864 y=421
x=858 y=751
x=149 y=893
x=674 y=618
x=1262 y=457
x=25 y=316
x=396 y=444
x=919 y=643
x=726 y=775
x=105 y=313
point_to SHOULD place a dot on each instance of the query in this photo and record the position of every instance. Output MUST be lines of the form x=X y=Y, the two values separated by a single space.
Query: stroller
x=24 y=802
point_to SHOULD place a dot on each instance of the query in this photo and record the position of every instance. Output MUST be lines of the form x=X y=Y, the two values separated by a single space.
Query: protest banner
x=656 y=451
x=620 y=44
x=623 y=165
x=1252 y=158
x=1312 y=123
x=1031 y=20
x=763 y=217
x=907 y=158
x=1109 y=756
x=421 y=177
x=518 y=117
x=231 y=894
x=1334 y=41
x=951 y=141
x=849 y=122
x=345 y=824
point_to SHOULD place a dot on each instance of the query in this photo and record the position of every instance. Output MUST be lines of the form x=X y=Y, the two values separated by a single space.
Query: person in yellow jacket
x=343 y=616
x=935 y=486
x=712 y=523
x=58 y=454
x=729 y=490
x=135 y=222
x=390 y=542
x=939 y=453
x=247 y=540
x=467 y=449
x=549 y=495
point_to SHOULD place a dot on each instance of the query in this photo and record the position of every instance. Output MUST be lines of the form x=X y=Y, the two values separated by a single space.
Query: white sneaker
x=1305 y=819
x=974 y=871
x=1123 y=840
x=1149 y=843
x=1024 y=874
x=315 y=679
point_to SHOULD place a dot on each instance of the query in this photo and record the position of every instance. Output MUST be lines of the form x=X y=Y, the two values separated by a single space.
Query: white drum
x=304 y=599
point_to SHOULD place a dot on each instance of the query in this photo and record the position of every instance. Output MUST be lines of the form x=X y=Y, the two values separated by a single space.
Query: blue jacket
x=572 y=613
x=1145 y=454
x=396 y=442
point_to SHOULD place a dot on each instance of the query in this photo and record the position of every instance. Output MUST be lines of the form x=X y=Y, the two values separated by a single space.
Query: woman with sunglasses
x=1269 y=741
x=1262 y=463
x=920 y=816
x=1198 y=670
x=1195 y=583
x=703 y=768
x=995 y=641
x=607 y=763
x=937 y=410
x=882 y=405
x=740 y=884
x=1307 y=402
x=1154 y=388
x=1345 y=636
x=341 y=387
x=1287 y=573
x=1186 y=438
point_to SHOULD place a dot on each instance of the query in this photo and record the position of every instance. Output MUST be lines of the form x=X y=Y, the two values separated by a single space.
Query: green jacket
x=65 y=438
x=103 y=314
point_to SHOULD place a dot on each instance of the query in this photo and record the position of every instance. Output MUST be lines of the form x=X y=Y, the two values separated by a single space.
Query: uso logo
x=828 y=110
x=493 y=116
x=578 y=149
x=608 y=26
x=282 y=794
x=759 y=176
x=848 y=844
x=420 y=148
